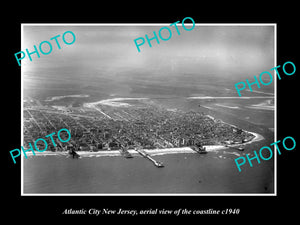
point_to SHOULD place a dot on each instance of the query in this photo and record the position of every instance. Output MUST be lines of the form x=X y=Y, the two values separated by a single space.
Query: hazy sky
x=224 y=50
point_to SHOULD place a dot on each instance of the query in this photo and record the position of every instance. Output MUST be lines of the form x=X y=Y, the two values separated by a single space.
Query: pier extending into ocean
x=146 y=155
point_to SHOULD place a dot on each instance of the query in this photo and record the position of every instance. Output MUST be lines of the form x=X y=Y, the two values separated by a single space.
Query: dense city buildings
x=121 y=125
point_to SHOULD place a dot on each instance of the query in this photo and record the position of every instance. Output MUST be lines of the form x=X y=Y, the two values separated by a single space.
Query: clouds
x=206 y=49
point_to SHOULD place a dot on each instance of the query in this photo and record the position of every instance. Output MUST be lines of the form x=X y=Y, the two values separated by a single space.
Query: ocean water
x=210 y=173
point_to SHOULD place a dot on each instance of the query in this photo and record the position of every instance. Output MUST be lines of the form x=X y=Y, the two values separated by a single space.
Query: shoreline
x=152 y=152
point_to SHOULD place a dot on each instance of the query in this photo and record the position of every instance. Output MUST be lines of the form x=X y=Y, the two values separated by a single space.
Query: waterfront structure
x=147 y=126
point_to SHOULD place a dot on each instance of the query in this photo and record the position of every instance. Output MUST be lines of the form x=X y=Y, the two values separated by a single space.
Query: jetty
x=199 y=149
x=124 y=152
x=236 y=147
x=147 y=156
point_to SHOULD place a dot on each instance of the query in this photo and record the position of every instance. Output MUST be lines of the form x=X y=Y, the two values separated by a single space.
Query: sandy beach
x=153 y=152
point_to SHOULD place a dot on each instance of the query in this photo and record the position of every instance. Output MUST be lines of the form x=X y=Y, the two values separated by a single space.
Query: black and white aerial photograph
x=149 y=111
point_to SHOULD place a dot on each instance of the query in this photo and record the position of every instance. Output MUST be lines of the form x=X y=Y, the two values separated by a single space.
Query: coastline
x=152 y=152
